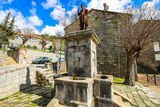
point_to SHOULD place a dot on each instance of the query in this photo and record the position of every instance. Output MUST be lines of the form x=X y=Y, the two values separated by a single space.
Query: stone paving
x=140 y=95
x=32 y=97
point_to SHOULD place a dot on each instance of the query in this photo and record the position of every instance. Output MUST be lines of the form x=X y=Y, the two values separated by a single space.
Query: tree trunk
x=43 y=49
x=130 y=71
x=23 y=42
x=5 y=48
x=136 y=69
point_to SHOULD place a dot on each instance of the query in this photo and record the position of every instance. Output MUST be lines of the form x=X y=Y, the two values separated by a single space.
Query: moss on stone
x=117 y=80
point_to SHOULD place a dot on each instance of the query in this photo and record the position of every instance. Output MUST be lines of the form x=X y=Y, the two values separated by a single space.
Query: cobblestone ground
x=140 y=95
x=31 y=97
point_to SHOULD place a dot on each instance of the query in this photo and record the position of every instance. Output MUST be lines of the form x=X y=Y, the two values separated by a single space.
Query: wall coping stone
x=13 y=68
x=83 y=34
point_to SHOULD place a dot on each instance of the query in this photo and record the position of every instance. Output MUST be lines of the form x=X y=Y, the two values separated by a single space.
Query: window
x=156 y=46
x=16 y=37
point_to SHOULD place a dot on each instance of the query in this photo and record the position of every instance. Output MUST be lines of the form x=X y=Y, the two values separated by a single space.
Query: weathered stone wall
x=16 y=78
x=110 y=54
x=2 y=58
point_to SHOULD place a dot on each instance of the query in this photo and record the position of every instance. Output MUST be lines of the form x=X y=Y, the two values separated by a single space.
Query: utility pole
x=59 y=55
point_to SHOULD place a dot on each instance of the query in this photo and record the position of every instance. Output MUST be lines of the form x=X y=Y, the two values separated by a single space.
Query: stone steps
x=55 y=103
x=118 y=100
x=122 y=100
x=45 y=77
x=127 y=104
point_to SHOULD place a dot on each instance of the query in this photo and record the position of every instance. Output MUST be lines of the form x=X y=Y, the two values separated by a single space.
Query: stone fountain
x=83 y=87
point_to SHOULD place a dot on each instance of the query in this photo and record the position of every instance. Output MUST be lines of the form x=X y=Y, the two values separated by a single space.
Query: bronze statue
x=83 y=17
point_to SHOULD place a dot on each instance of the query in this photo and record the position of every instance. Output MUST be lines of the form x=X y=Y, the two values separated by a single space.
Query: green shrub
x=34 y=47
x=28 y=46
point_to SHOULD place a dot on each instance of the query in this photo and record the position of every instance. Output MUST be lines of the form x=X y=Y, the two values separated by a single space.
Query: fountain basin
x=70 y=90
x=78 y=78
x=101 y=77
x=103 y=86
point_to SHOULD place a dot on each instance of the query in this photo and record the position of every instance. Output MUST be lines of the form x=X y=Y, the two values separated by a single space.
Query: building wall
x=110 y=54
x=17 y=41
x=147 y=61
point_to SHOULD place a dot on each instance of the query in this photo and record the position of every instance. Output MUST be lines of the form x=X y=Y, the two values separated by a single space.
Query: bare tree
x=54 y=41
x=27 y=31
x=44 y=41
x=137 y=29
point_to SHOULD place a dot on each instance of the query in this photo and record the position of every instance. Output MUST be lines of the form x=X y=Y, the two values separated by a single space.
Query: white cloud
x=58 y=13
x=151 y=3
x=114 y=5
x=21 y=21
x=73 y=11
x=9 y=1
x=84 y=1
x=53 y=30
x=147 y=11
x=33 y=11
x=33 y=3
x=3 y=2
x=35 y=21
x=49 y=3
x=2 y=14
x=6 y=1
x=64 y=17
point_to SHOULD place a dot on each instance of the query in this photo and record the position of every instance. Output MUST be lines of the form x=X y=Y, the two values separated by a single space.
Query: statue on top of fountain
x=83 y=18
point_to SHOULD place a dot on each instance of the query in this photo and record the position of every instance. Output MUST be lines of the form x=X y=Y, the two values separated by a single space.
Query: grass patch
x=4 y=98
x=32 y=105
x=15 y=95
x=117 y=80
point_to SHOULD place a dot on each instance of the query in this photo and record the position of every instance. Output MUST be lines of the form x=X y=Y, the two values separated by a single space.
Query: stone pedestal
x=81 y=58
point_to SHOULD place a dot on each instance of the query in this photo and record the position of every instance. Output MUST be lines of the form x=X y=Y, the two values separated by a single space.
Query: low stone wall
x=2 y=58
x=16 y=78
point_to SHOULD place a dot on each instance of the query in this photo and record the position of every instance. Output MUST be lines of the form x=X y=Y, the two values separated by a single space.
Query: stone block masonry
x=16 y=78
x=2 y=58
